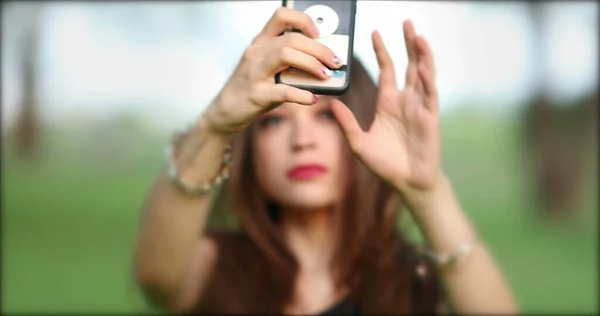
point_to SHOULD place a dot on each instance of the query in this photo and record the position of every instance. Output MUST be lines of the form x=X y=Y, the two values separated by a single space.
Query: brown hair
x=255 y=271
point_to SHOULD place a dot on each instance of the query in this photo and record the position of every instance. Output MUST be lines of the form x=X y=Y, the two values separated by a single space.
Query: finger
x=412 y=77
x=431 y=100
x=409 y=41
x=426 y=55
x=285 y=18
x=286 y=57
x=387 y=74
x=349 y=125
x=280 y=93
x=311 y=47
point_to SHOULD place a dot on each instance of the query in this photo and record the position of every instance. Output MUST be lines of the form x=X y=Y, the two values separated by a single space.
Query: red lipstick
x=307 y=171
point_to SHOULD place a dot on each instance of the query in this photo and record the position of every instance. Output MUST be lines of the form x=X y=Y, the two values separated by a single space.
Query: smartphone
x=335 y=21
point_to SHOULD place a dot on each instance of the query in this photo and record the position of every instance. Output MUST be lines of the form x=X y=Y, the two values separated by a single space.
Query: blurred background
x=91 y=92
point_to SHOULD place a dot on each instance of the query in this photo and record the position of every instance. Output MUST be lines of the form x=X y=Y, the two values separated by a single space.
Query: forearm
x=173 y=222
x=477 y=284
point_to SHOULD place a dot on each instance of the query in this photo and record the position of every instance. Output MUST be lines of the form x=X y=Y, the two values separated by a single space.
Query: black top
x=343 y=307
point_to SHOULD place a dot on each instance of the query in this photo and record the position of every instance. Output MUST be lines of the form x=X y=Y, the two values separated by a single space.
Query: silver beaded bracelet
x=186 y=186
x=449 y=260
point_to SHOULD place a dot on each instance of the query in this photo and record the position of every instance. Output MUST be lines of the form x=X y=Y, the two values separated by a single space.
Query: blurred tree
x=27 y=129
x=556 y=134
x=557 y=141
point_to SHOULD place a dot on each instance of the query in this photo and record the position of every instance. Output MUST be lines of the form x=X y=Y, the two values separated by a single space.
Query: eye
x=271 y=120
x=326 y=114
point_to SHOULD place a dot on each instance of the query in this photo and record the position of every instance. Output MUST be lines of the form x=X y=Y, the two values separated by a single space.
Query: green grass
x=68 y=240
x=68 y=231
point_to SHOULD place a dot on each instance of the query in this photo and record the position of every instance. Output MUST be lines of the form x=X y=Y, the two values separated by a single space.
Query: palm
x=402 y=145
x=402 y=141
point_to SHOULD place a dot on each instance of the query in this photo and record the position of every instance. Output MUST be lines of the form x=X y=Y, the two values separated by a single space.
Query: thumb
x=348 y=124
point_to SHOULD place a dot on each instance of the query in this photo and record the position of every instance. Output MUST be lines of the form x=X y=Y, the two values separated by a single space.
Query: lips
x=307 y=171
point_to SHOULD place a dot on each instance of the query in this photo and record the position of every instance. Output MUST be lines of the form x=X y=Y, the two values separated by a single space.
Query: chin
x=308 y=197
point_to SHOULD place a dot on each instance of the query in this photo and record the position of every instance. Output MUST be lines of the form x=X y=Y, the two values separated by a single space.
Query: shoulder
x=201 y=269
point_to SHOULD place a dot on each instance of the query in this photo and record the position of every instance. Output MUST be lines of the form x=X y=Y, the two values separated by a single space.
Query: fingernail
x=337 y=60
x=327 y=72
x=315 y=100
x=315 y=31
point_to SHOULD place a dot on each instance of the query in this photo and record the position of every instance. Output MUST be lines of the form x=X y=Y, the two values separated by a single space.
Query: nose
x=303 y=133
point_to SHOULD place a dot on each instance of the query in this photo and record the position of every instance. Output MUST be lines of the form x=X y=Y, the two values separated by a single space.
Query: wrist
x=198 y=158
x=420 y=200
x=221 y=117
x=209 y=123
x=439 y=216
x=206 y=126
x=201 y=138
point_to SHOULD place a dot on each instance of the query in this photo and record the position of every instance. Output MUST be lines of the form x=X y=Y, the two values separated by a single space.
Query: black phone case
x=348 y=66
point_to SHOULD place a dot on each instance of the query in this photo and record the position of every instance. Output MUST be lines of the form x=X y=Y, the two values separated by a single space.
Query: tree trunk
x=556 y=137
x=27 y=130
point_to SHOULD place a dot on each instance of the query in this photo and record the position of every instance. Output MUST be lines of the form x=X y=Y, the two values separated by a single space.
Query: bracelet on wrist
x=452 y=259
x=189 y=187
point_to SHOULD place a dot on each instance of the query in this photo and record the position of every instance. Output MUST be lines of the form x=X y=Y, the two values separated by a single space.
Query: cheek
x=333 y=151
x=333 y=145
x=338 y=153
x=343 y=159
x=269 y=157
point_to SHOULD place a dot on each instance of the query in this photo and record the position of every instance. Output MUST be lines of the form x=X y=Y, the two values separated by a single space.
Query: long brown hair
x=256 y=272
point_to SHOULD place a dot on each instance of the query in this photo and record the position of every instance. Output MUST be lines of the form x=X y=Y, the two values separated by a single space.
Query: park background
x=91 y=92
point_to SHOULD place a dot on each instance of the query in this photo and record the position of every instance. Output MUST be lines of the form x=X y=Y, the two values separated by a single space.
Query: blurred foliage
x=70 y=217
x=70 y=222
x=558 y=140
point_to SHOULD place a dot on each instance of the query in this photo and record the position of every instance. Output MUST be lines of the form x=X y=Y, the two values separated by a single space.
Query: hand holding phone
x=335 y=21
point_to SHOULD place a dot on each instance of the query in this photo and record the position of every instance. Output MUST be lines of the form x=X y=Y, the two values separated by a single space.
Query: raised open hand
x=402 y=145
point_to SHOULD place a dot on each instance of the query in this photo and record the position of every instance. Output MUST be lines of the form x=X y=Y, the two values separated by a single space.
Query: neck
x=309 y=235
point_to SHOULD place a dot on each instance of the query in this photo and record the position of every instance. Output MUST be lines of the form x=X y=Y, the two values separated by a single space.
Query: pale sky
x=483 y=50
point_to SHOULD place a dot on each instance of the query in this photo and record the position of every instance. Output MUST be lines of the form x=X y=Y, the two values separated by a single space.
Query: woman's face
x=298 y=152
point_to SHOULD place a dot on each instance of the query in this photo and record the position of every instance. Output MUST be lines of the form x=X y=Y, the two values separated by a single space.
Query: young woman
x=317 y=183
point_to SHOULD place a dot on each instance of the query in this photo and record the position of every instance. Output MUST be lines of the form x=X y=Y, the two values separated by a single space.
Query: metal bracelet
x=449 y=260
x=186 y=186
